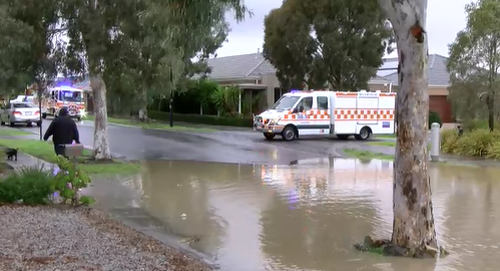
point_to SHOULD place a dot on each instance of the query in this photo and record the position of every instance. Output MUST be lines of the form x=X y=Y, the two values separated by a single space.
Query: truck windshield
x=71 y=96
x=285 y=102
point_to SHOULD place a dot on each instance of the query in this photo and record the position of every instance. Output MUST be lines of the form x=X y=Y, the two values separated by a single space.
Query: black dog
x=11 y=153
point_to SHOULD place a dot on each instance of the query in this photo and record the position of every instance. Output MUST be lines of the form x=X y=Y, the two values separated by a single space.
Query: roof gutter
x=234 y=78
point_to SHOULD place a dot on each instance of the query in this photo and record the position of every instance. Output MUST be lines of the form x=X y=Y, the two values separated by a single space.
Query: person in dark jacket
x=63 y=131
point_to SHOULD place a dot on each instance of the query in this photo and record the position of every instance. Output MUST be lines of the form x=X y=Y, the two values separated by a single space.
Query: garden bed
x=68 y=238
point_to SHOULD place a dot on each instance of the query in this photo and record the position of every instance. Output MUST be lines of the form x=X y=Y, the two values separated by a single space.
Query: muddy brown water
x=307 y=216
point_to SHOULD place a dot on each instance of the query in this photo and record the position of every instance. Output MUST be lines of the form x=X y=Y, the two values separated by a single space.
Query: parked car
x=19 y=112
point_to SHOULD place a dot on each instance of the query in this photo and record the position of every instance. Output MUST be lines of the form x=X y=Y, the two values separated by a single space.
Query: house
x=256 y=76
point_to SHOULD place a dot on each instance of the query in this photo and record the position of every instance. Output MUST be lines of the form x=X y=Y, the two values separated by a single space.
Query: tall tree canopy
x=475 y=61
x=339 y=42
x=159 y=37
x=26 y=28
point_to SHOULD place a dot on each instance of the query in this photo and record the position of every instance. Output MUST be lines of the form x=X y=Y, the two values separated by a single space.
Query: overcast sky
x=444 y=19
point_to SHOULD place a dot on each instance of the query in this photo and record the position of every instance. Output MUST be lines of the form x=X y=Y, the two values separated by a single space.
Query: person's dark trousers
x=60 y=150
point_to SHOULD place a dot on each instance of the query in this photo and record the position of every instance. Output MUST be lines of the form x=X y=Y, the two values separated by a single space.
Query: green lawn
x=367 y=155
x=45 y=151
x=385 y=136
x=6 y=131
x=390 y=144
x=154 y=125
x=383 y=143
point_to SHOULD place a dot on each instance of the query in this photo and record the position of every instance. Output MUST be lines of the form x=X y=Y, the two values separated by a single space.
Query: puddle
x=306 y=216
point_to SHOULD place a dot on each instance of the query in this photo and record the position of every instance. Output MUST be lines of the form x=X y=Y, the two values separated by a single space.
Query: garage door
x=442 y=106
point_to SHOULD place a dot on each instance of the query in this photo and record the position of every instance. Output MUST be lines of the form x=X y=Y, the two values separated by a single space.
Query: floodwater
x=307 y=216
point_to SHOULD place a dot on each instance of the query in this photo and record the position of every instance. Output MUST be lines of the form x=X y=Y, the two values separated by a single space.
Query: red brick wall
x=442 y=106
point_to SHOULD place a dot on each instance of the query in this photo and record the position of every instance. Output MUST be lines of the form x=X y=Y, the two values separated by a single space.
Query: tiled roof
x=437 y=73
x=238 y=66
x=254 y=65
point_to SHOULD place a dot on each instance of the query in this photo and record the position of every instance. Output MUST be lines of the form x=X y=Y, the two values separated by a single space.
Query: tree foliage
x=338 y=42
x=26 y=29
x=475 y=61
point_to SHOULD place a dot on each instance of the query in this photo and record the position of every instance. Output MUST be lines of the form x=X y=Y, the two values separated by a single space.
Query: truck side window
x=305 y=104
x=322 y=103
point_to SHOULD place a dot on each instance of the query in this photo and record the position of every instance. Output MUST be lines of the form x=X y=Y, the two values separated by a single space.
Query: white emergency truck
x=327 y=113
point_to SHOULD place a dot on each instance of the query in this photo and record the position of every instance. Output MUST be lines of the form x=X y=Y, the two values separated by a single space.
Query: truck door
x=304 y=122
x=322 y=114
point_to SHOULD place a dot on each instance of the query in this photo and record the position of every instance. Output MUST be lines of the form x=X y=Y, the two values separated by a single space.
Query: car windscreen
x=285 y=102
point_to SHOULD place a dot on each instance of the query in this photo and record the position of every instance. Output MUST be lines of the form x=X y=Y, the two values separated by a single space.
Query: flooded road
x=307 y=216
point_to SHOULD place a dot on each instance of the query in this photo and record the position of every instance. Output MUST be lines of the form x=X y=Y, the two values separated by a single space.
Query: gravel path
x=63 y=238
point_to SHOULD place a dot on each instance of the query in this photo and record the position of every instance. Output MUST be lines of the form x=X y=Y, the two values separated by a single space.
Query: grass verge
x=6 y=131
x=367 y=155
x=383 y=143
x=390 y=144
x=385 y=136
x=45 y=151
x=155 y=125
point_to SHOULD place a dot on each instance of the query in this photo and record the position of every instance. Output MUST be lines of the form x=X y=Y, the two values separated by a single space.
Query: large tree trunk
x=413 y=226
x=101 y=143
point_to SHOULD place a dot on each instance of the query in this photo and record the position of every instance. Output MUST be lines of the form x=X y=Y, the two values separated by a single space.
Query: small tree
x=475 y=61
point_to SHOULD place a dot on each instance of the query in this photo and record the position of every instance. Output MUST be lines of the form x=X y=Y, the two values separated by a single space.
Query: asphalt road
x=223 y=146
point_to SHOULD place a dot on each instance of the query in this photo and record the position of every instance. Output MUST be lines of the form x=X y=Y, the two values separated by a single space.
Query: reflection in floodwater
x=306 y=216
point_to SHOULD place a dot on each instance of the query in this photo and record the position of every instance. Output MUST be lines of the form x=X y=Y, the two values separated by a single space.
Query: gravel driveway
x=63 y=238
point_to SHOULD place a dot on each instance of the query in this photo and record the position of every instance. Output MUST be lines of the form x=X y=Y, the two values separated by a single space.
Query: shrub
x=494 y=150
x=434 y=117
x=202 y=119
x=476 y=143
x=31 y=185
x=470 y=125
x=69 y=180
x=449 y=140
x=36 y=185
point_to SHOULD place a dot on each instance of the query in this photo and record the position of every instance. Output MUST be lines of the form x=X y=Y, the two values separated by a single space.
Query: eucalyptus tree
x=178 y=31
x=413 y=226
x=149 y=61
x=474 y=62
x=170 y=31
x=27 y=51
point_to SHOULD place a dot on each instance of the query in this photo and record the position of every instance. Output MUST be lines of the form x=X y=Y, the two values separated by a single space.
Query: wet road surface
x=307 y=216
x=222 y=146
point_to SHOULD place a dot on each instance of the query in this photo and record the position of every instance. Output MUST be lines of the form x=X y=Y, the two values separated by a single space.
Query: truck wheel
x=269 y=136
x=289 y=133
x=364 y=134
x=44 y=115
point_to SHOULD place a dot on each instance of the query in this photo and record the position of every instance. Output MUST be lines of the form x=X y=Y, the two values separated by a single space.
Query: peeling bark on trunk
x=413 y=226
x=101 y=142
x=143 y=112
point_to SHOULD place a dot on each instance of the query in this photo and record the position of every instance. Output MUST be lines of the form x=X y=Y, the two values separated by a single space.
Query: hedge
x=202 y=119
x=479 y=142
x=239 y=122
x=434 y=117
